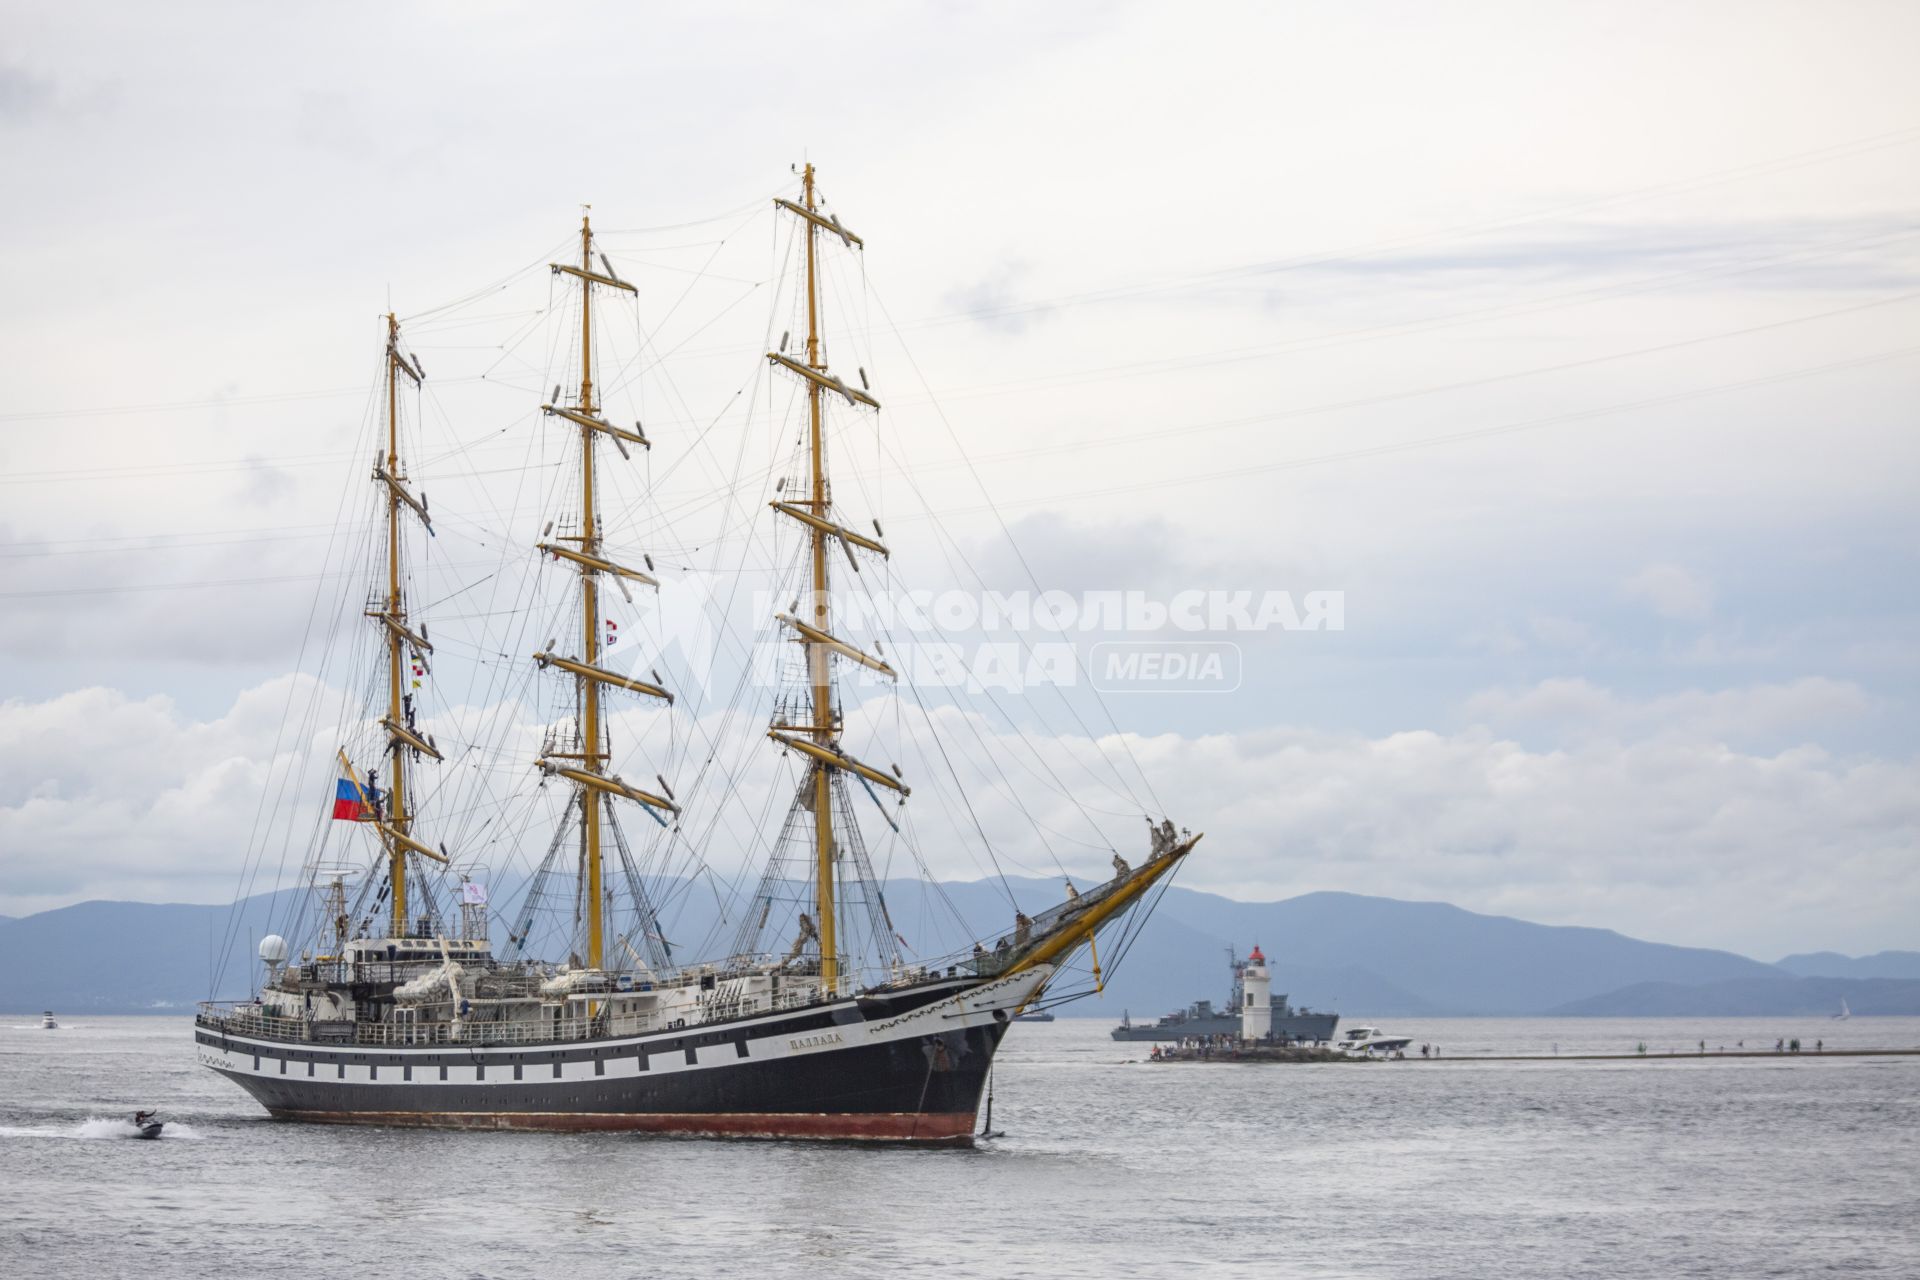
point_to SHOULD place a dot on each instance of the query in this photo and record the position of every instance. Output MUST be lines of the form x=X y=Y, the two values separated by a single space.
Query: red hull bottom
x=942 y=1129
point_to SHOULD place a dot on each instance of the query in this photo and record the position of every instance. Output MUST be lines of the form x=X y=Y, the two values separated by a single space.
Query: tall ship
x=1287 y=1024
x=813 y=1019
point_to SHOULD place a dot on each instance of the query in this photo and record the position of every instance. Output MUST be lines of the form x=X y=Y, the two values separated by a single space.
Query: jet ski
x=146 y=1125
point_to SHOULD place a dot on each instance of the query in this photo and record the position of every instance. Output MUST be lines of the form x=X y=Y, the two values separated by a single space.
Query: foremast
x=819 y=740
x=393 y=816
x=588 y=766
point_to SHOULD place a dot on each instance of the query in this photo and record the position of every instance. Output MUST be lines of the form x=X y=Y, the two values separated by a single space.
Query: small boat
x=1033 y=1015
x=1365 y=1042
x=1841 y=1016
x=47 y=1023
x=146 y=1126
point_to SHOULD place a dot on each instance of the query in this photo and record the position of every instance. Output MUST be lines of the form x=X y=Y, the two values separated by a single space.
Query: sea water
x=1111 y=1165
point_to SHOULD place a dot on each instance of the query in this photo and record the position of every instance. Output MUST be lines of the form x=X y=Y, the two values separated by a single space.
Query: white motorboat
x=47 y=1023
x=1371 y=1042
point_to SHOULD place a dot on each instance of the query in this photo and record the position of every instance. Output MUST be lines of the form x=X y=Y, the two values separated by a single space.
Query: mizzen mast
x=394 y=819
x=820 y=738
x=588 y=766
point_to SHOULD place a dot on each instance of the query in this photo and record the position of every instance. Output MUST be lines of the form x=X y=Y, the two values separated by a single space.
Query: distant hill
x=125 y=957
x=1448 y=959
x=1831 y=964
x=1181 y=956
x=1363 y=957
x=1760 y=997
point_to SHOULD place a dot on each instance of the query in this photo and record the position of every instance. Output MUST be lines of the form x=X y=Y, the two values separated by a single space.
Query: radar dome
x=273 y=949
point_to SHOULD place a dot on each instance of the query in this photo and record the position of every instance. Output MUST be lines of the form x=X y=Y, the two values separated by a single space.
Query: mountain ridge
x=1359 y=955
x=1740 y=997
x=1831 y=964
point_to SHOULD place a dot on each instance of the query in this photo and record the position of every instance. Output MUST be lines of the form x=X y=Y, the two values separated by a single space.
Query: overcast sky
x=1575 y=347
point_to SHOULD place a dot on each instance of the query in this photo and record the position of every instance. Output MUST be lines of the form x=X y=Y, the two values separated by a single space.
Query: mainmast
x=591 y=775
x=394 y=819
x=821 y=740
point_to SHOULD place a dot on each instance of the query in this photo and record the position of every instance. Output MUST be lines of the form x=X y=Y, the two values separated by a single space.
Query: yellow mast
x=396 y=615
x=592 y=777
x=393 y=822
x=820 y=743
x=819 y=740
x=589 y=690
x=817 y=660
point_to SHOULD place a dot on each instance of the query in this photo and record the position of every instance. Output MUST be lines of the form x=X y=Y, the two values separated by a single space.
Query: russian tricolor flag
x=346 y=802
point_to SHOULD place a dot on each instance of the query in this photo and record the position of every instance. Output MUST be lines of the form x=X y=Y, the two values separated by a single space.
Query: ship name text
x=821 y=1041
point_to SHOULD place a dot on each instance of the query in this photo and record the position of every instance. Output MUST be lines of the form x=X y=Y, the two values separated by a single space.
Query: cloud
x=1671 y=591
x=264 y=485
x=1476 y=266
x=1578 y=709
x=107 y=795
x=1844 y=252
x=1556 y=632
x=995 y=301
x=1688 y=842
x=22 y=95
x=1676 y=836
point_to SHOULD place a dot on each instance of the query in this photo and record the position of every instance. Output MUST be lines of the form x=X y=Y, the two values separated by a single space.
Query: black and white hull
x=900 y=1066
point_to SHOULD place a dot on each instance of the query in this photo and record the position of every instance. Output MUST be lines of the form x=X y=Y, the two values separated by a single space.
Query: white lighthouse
x=1256 y=1004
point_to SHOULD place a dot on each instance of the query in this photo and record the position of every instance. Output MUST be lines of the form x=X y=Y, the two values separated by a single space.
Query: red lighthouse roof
x=1256 y=957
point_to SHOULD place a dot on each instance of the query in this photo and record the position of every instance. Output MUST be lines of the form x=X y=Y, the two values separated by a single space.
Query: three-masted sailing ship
x=418 y=1022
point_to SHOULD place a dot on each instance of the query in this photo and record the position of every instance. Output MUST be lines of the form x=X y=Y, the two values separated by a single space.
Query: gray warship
x=1289 y=1025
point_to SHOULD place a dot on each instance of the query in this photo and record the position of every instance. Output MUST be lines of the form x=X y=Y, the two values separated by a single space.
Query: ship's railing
x=985 y=959
x=245 y=1021
x=989 y=960
x=538 y=1025
x=855 y=977
x=241 y=1020
x=376 y=972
